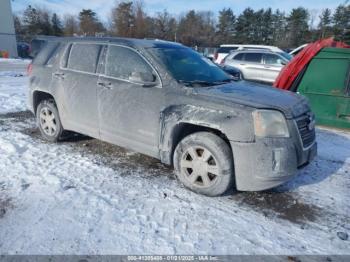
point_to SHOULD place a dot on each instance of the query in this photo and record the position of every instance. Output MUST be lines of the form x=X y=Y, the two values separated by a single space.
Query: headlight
x=270 y=123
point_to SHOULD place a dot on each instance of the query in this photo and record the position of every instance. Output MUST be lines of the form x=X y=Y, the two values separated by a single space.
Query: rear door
x=43 y=63
x=252 y=66
x=272 y=67
x=76 y=80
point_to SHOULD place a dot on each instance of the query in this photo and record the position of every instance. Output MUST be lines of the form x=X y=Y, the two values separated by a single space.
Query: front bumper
x=268 y=162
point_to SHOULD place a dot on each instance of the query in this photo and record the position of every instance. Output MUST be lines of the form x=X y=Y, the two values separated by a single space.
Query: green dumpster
x=326 y=82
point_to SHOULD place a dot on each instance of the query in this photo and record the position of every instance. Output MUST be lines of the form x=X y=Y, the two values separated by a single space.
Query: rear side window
x=239 y=57
x=253 y=57
x=45 y=53
x=226 y=50
x=271 y=59
x=121 y=62
x=55 y=54
x=84 y=57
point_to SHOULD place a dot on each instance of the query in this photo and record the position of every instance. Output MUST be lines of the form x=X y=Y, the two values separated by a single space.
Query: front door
x=129 y=111
x=253 y=66
x=272 y=67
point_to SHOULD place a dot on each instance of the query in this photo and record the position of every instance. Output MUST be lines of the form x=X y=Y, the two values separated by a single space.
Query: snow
x=75 y=198
x=12 y=84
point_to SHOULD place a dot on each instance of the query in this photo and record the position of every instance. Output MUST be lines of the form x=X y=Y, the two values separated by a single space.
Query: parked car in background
x=167 y=101
x=257 y=65
x=23 y=49
x=234 y=72
x=224 y=50
x=208 y=52
x=297 y=50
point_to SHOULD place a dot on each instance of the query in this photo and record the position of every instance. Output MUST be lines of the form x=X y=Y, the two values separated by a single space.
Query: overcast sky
x=103 y=7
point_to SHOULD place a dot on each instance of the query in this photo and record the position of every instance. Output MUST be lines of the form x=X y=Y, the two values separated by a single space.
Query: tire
x=48 y=120
x=199 y=154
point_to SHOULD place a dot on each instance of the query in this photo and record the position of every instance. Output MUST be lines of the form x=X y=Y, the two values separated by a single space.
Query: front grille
x=306 y=131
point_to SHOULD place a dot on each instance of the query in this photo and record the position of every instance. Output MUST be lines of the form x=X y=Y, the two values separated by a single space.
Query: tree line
x=193 y=28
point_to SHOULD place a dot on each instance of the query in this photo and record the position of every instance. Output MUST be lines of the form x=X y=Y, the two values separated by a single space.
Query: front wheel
x=203 y=163
x=48 y=121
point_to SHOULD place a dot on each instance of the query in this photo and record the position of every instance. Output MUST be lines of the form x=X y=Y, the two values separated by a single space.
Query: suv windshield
x=189 y=67
x=286 y=55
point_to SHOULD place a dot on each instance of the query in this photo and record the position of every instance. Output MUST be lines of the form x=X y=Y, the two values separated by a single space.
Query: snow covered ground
x=83 y=196
x=12 y=84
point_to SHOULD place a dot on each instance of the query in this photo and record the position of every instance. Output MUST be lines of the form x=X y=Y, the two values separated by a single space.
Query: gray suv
x=166 y=101
x=258 y=65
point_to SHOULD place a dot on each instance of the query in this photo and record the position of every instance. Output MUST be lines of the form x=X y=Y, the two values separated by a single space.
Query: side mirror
x=145 y=79
x=282 y=62
x=233 y=72
x=210 y=58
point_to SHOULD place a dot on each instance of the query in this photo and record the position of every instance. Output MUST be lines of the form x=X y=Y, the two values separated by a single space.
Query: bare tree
x=71 y=26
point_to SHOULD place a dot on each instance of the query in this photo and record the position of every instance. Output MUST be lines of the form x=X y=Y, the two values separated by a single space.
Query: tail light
x=29 y=69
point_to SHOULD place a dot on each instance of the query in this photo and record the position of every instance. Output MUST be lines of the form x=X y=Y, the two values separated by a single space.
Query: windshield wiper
x=203 y=82
x=195 y=82
x=228 y=80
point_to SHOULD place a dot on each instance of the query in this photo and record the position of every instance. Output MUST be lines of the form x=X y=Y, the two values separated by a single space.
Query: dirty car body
x=149 y=96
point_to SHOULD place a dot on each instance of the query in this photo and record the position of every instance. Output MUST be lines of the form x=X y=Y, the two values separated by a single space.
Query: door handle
x=105 y=85
x=59 y=75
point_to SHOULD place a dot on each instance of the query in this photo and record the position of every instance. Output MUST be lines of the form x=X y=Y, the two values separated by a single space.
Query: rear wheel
x=48 y=120
x=203 y=163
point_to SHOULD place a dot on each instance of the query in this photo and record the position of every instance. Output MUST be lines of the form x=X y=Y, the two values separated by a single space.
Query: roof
x=133 y=42
x=252 y=50
x=272 y=48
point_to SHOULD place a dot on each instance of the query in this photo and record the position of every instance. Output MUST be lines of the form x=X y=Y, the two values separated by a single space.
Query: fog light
x=276 y=159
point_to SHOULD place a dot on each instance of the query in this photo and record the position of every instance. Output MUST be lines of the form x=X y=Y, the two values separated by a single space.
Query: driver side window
x=123 y=62
x=272 y=59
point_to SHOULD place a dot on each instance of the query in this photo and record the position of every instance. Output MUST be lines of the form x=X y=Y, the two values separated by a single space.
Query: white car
x=297 y=50
x=257 y=65
x=224 y=50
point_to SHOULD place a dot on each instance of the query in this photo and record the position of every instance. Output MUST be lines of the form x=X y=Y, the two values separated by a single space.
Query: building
x=7 y=29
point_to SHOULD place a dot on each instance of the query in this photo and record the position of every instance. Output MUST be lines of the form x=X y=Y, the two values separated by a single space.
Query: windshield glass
x=286 y=55
x=187 y=66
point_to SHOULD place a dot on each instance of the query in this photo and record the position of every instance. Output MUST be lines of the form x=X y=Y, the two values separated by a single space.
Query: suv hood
x=258 y=96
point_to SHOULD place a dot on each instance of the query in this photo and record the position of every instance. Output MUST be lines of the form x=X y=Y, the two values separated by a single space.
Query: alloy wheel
x=200 y=166
x=48 y=121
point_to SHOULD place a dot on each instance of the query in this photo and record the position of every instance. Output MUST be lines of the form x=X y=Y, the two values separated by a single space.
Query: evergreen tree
x=226 y=26
x=123 y=20
x=278 y=26
x=44 y=22
x=56 y=25
x=341 y=21
x=325 y=23
x=196 y=29
x=89 y=23
x=266 y=27
x=297 y=27
x=188 y=29
x=245 y=26
x=31 y=21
